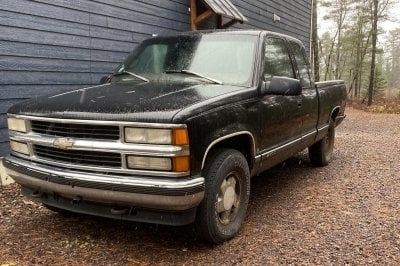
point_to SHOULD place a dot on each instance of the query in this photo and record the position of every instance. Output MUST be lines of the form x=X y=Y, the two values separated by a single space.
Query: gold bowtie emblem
x=63 y=144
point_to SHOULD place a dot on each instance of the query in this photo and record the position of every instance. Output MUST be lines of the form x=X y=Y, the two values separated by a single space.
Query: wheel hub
x=228 y=199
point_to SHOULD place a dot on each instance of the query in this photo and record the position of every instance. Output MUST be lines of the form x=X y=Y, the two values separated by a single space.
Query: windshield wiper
x=185 y=71
x=124 y=72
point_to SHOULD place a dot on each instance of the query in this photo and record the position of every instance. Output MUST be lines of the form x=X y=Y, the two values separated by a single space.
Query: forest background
x=359 y=41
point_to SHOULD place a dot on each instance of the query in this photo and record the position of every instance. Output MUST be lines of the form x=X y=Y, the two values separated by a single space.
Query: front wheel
x=321 y=152
x=227 y=192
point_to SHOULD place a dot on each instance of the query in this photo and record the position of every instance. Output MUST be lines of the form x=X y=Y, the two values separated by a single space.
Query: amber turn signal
x=180 y=136
x=181 y=164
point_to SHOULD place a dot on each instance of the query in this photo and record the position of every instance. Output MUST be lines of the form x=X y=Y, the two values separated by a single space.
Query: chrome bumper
x=156 y=193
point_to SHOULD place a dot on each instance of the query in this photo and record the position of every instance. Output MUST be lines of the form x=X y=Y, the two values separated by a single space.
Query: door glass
x=302 y=64
x=277 y=61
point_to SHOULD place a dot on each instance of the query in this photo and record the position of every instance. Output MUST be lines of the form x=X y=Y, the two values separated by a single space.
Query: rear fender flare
x=334 y=113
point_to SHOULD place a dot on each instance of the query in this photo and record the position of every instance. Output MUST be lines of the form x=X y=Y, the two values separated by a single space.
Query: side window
x=277 y=61
x=302 y=64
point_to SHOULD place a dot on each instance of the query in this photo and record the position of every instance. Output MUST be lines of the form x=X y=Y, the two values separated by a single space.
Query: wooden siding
x=50 y=46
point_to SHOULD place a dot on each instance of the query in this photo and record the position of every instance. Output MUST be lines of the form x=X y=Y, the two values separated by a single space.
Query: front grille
x=76 y=130
x=91 y=158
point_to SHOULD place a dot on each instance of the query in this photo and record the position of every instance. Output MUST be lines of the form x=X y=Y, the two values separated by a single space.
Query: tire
x=227 y=191
x=321 y=152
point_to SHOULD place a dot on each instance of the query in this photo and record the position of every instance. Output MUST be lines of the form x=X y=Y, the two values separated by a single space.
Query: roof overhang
x=221 y=8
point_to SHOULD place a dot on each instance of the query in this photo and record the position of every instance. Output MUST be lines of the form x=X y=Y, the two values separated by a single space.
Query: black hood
x=124 y=101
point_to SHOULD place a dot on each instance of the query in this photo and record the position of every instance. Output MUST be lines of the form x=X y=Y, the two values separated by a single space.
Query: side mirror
x=282 y=86
x=105 y=79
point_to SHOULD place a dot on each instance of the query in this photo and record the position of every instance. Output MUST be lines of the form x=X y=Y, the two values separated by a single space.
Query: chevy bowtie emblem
x=63 y=144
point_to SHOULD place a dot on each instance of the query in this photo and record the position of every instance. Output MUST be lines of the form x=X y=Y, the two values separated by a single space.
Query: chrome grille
x=76 y=130
x=105 y=159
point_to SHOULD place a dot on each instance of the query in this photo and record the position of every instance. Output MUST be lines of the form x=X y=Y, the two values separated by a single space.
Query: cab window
x=277 y=60
x=302 y=64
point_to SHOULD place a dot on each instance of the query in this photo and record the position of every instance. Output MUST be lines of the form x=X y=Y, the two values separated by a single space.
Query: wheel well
x=243 y=143
x=335 y=113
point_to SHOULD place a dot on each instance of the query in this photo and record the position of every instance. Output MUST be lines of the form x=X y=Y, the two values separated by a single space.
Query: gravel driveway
x=345 y=213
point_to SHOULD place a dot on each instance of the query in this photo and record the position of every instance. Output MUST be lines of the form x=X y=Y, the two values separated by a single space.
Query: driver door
x=280 y=118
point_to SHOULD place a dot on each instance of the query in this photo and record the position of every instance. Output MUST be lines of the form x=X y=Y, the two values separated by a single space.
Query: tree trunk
x=315 y=47
x=373 y=62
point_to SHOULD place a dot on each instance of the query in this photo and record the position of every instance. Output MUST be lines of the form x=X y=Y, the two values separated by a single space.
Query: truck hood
x=124 y=101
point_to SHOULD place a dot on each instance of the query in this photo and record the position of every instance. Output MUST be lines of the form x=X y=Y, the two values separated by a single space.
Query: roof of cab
x=253 y=32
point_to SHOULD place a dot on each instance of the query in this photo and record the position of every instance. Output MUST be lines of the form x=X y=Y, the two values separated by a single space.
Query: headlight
x=19 y=147
x=176 y=136
x=175 y=164
x=16 y=124
x=149 y=163
x=148 y=135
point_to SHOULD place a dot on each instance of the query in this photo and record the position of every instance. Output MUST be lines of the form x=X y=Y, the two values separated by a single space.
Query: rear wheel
x=321 y=152
x=223 y=209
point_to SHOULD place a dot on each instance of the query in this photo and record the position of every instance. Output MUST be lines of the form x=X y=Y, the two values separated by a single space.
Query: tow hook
x=123 y=211
x=36 y=194
x=119 y=211
x=76 y=200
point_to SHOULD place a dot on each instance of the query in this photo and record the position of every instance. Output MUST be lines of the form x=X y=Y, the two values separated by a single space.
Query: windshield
x=225 y=58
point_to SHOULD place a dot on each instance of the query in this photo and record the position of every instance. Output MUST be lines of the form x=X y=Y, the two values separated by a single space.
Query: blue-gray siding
x=49 y=46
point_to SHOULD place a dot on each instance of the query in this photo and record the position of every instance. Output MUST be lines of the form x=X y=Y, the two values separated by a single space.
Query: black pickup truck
x=175 y=134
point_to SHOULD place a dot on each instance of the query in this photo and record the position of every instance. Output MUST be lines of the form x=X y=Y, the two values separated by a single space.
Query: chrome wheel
x=228 y=200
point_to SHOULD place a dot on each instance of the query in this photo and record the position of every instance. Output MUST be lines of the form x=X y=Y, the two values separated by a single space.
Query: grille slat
x=76 y=130
x=105 y=159
x=62 y=153
x=62 y=157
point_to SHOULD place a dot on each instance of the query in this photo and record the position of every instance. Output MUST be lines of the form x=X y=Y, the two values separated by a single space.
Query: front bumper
x=177 y=194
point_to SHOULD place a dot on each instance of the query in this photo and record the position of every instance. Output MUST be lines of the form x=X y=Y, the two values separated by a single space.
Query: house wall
x=50 y=46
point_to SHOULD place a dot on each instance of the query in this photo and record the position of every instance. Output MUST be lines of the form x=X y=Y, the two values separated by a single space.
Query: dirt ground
x=345 y=213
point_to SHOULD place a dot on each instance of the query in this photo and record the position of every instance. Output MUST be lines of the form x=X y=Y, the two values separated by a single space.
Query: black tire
x=227 y=191
x=321 y=152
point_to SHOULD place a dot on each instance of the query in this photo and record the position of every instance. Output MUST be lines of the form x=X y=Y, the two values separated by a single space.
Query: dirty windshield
x=212 y=58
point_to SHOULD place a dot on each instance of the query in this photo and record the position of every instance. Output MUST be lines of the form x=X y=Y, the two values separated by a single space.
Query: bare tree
x=379 y=6
x=337 y=14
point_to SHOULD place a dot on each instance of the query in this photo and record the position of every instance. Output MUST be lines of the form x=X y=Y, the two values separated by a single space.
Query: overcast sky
x=394 y=12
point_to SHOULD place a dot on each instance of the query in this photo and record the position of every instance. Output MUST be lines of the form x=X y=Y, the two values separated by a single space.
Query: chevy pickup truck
x=174 y=135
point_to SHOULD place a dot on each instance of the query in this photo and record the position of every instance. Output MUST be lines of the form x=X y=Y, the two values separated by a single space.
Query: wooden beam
x=220 y=21
x=203 y=16
x=228 y=24
x=193 y=15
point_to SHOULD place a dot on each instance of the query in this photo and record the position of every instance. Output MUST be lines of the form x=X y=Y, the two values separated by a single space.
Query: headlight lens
x=16 y=124
x=149 y=163
x=19 y=147
x=148 y=135
x=176 y=136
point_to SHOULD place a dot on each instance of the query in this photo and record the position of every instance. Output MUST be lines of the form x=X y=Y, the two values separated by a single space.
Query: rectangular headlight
x=19 y=147
x=16 y=124
x=176 y=136
x=149 y=163
x=148 y=135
